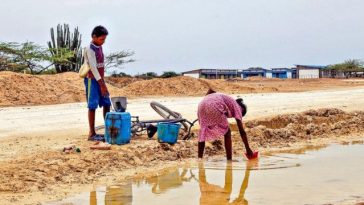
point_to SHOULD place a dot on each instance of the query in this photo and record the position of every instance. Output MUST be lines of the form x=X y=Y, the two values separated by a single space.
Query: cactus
x=66 y=41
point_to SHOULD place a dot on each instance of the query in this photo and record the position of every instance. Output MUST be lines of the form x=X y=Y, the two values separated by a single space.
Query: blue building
x=255 y=72
x=269 y=73
x=284 y=73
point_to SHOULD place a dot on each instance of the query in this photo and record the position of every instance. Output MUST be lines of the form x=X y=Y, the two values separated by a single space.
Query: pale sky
x=182 y=35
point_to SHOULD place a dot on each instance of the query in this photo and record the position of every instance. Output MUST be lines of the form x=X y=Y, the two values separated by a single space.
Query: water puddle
x=314 y=175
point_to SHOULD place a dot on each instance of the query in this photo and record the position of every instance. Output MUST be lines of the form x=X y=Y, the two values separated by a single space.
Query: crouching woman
x=213 y=113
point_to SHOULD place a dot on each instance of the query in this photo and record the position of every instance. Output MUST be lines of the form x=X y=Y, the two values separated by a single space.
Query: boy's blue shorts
x=93 y=95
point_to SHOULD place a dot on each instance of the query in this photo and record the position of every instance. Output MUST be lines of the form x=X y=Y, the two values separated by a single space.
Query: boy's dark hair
x=99 y=31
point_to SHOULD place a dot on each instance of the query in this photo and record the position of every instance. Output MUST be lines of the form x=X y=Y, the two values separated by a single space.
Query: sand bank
x=34 y=169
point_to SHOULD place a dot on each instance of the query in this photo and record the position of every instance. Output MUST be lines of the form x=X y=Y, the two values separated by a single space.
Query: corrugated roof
x=255 y=69
x=280 y=69
x=311 y=66
x=192 y=71
x=210 y=70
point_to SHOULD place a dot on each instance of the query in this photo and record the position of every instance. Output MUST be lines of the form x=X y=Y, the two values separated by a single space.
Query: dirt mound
x=282 y=130
x=121 y=82
x=229 y=86
x=178 y=86
x=36 y=173
x=23 y=89
x=182 y=86
x=304 y=126
x=255 y=78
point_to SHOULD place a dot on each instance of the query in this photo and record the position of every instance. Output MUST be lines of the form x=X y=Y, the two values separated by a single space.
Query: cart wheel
x=166 y=113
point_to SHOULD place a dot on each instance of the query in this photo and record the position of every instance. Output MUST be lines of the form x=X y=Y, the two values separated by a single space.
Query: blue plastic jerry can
x=118 y=128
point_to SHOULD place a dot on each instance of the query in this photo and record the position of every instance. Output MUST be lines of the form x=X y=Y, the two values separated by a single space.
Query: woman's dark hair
x=244 y=108
x=99 y=31
x=210 y=91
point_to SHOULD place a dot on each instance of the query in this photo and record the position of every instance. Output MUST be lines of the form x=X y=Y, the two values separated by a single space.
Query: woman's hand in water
x=249 y=153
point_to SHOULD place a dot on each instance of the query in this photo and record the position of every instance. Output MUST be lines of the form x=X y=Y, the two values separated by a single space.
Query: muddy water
x=314 y=175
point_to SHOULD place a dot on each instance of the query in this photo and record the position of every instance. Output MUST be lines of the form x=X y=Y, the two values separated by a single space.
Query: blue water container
x=118 y=128
x=168 y=132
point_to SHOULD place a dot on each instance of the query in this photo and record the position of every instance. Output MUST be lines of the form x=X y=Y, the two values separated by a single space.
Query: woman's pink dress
x=213 y=113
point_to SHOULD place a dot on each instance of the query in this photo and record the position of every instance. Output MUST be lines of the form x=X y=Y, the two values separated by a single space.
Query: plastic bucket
x=168 y=132
x=119 y=103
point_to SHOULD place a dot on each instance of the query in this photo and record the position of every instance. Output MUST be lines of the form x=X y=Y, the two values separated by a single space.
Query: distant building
x=309 y=71
x=269 y=73
x=256 y=72
x=213 y=73
x=300 y=71
x=284 y=73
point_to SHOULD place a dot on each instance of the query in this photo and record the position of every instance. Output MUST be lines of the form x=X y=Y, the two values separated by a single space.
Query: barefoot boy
x=96 y=90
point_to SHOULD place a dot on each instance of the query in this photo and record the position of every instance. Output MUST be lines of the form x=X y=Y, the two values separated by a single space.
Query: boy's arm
x=95 y=72
x=91 y=56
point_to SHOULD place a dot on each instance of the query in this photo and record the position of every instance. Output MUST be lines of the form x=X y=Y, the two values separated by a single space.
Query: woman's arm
x=244 y=137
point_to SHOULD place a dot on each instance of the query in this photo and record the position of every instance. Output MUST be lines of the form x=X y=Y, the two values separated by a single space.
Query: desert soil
x=22 y=89
x=34 y=169
x=51 y=119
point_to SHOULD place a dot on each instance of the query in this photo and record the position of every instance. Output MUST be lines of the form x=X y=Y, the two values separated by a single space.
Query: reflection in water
x=327 y=170
x=213 y=194
x=210 y=193
x=301 y=150
x=360 y=142
x=93 y=198
x=115 y=195
x=171 y=180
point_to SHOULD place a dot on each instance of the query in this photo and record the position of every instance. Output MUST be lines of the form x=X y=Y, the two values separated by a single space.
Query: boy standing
x=96 y=90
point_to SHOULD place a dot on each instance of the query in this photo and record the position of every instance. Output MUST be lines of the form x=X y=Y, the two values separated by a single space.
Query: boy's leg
x=201 y=148
x=91 y=123
x=106 y=110
x=228 y=145
x=92 y=95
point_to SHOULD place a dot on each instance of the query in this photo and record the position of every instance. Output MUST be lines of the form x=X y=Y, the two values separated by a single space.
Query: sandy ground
x=34 y=169
x=18 y=89
x=50 y=119
x=31 y=138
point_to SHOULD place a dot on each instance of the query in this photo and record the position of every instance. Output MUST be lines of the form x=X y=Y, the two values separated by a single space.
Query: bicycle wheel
x=163 y=111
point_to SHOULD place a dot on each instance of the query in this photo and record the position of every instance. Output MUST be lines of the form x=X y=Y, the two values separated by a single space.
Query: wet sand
x=40 y=172
x=311 y=175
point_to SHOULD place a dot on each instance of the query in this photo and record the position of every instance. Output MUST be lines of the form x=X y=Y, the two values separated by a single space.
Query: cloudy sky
x=186 y=34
